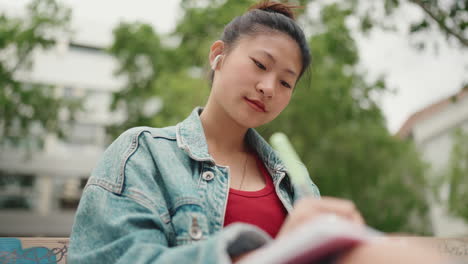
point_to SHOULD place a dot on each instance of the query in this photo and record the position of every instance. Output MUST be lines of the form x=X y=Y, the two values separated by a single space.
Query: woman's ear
x=216 y=53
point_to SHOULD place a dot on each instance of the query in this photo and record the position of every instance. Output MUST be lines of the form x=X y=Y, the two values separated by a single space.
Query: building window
x=84 y=134
x=69 y=92
x=16 y=190
x=71 y=193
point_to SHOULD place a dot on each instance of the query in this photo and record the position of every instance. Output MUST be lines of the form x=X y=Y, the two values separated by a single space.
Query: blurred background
x=381 y=118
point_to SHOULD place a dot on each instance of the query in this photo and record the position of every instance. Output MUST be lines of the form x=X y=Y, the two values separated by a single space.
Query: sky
x=419 y=78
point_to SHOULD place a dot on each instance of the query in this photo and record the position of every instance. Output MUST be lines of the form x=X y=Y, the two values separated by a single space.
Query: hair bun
x=275 y=7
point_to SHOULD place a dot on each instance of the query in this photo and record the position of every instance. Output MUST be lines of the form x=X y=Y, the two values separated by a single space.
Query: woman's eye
x=285 y=84
x=259 y=65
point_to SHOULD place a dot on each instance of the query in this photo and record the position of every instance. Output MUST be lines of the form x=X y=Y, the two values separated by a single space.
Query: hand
x=307 y=209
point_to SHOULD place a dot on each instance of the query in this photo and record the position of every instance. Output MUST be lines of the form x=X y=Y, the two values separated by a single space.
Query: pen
x=291 y=160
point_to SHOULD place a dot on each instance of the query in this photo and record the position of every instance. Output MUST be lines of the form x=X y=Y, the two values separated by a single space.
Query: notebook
x=312 y=242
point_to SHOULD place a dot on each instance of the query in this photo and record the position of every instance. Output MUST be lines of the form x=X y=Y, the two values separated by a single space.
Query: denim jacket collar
x=191 y=138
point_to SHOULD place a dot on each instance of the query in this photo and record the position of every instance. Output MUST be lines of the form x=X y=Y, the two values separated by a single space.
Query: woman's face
x=254 y=82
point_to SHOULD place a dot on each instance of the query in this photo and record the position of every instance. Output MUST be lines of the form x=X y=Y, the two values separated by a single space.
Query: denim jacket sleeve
x=116 y=221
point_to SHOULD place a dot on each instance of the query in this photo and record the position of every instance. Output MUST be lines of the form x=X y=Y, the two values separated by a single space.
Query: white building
x=432 y=130
x=42 y=191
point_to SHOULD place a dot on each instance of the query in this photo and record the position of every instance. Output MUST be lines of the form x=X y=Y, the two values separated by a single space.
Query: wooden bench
x=35 y=250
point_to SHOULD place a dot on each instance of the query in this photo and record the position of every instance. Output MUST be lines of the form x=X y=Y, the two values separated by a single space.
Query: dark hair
x=265 y=17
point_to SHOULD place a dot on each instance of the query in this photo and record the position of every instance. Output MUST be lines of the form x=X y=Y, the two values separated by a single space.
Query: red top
x=262 y=208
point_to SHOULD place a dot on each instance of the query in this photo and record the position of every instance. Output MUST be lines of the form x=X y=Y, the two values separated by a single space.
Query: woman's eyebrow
x=273 y=59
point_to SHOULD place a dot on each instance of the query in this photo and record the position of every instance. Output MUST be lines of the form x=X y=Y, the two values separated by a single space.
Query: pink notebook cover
x=321 y=238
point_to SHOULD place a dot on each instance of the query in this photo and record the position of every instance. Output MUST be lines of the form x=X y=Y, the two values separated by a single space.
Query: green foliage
x=333 y=120
x=448 y=17
x=141 y=57
x=457 y=174
x=29 y=110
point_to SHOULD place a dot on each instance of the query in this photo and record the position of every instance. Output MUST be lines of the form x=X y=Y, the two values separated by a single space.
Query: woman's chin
x=250 y=122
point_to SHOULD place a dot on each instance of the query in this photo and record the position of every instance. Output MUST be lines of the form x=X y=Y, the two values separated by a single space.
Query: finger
x=309 y=208
x=357 y=217
x=341 y=207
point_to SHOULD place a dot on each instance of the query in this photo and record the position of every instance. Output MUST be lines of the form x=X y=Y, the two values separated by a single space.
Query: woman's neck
x=222 y=133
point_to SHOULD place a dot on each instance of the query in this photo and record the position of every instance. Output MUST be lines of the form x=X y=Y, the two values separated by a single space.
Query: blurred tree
x=457 y=173
x=333 y=119
x=138 y=51
x=29 y=110
x=449 y=17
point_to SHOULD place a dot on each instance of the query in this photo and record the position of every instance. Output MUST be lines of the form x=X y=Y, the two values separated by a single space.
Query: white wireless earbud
x=215 y=62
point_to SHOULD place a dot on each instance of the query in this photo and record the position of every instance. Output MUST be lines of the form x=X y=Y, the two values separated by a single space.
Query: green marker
x=291 y=160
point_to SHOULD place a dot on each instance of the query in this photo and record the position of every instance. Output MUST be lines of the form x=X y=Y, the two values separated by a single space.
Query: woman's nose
x=266 y=87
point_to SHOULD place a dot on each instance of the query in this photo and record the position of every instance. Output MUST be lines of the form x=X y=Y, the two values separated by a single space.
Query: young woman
x=210 y=189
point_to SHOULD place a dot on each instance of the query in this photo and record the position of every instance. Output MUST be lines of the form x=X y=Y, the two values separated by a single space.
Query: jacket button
x=208 y=175
x=195 y=230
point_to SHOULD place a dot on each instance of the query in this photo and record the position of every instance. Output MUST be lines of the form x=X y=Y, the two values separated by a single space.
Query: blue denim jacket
x=157 y=196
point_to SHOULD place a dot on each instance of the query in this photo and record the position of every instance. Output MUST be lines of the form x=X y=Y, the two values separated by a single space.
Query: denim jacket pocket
x=190 y=223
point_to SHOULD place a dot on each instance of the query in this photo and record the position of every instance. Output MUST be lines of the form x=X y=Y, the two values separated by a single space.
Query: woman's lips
x=256 y=105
